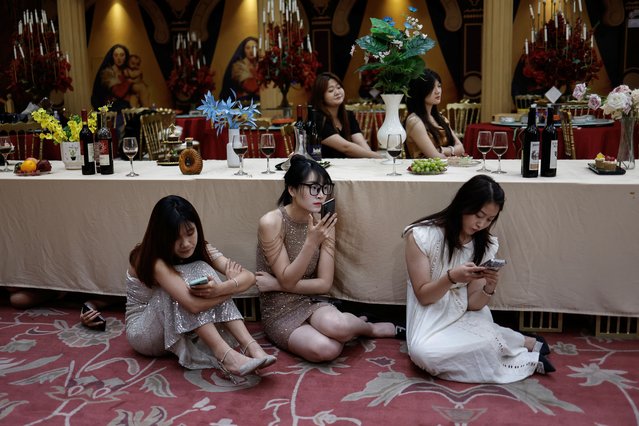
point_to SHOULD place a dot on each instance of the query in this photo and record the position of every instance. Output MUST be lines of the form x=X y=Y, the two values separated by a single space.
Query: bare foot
x=383 y=329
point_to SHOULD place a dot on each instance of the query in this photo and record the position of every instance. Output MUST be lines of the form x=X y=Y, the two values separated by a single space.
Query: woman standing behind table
x=428 y=134
x=295 y=255
x=450 y=331
x=164 y=314
x=338 y=129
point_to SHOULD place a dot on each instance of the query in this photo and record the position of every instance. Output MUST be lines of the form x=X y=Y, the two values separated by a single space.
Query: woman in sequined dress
x=164 y=313
x=295 y=260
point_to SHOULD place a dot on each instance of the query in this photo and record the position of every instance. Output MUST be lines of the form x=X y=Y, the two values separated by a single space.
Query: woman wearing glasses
x=295 y=260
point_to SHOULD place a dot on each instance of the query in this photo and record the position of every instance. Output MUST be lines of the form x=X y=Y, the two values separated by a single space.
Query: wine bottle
x=103 y=136
x=530 y=153
x=313 y=144
x=549 y=146
x=86 y=138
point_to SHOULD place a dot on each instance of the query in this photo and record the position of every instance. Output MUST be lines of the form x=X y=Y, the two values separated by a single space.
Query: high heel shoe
x=246 y=368
x=268 y=359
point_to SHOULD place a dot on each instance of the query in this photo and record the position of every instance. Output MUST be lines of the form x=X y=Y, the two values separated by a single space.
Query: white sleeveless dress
x=452 y=343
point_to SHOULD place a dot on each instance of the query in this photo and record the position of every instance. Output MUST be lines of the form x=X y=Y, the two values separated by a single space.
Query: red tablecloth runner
x=213 y=147
x=589 y=141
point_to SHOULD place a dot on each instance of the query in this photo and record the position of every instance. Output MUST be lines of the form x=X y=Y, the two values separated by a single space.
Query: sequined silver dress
x=157 y=324
x=284 y=312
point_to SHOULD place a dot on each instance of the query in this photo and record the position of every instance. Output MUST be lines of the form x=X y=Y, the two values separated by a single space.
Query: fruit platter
x=32 y=167
x=427 y=166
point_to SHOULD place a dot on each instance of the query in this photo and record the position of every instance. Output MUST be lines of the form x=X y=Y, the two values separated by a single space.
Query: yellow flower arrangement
x=52 y=128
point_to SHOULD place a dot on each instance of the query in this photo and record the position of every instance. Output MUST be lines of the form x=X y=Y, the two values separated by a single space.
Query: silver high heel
x=268 y=359
x=247 y=368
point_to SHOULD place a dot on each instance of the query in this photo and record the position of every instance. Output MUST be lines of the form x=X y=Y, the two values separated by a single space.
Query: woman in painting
x=111 y=85
x=241 y=72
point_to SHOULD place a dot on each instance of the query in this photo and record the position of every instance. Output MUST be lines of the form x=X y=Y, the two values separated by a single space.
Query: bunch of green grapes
x=428 y=166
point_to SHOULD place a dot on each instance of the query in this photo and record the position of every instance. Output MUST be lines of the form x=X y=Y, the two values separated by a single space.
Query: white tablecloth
x=572 y=242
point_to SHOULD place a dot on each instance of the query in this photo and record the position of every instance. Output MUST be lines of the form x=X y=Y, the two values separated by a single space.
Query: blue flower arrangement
x=228 y=112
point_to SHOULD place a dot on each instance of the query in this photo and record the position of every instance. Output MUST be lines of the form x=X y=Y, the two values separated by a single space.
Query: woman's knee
x=325 y=350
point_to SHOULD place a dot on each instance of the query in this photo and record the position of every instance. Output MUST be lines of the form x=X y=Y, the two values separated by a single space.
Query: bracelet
x=483 y=290
x=236 y=283
x=450 y=278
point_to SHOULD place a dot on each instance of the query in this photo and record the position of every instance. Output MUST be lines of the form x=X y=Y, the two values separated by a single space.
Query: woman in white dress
x=450 y=331
x=165 y=314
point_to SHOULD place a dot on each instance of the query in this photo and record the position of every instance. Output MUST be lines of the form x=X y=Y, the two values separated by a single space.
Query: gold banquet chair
x=566 y=128
x=288 y=136
x=26 y=139
x=523 y=102
x=152 y=128
x=460 y=115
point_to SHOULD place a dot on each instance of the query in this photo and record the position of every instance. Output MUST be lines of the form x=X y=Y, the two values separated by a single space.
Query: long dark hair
x=163 y=230
x=470 y=198
x=228 y=83
x=301 y=168
x=317 y=100
x=102 y=95
x=419 y=89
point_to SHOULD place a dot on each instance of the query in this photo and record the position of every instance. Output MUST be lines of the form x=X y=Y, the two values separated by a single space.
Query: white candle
x=57 y=48
x=41 y=27
x=583 y=35
x=41 y=52
x=545 y=34
x=179 y=61
x=526 y=46
x=532 y=15
x=254 y=51
x=199 y=43
x=198 y=63
x=556 y=23
x=532 y=36
x=15 y=53
x=44 y=16
x=67 y=57
x=259 y=42
x=279 y=40
x=52 y=28
x=308 y=41
x=19 y=27
x=301 y=25
x=567 y=32
x=263 y=16
x=35 y=12
x=538 y=7
x=592 y=42
x=579 y=6
x=21 y=51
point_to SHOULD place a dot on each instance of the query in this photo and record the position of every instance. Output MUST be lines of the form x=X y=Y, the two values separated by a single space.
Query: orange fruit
x=29 y=165
x=35 y=160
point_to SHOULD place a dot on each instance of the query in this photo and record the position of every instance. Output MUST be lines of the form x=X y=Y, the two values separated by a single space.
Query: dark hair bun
x=298 y=159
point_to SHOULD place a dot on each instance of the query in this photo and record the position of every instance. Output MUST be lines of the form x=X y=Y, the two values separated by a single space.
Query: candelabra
x=38 y=66
x=285 y=51
x=561 y=49
x=190 y=77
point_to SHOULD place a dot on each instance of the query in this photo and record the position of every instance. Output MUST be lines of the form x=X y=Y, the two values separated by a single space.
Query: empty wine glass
x=240 y=146
x=6 y=148
x=500 y=146
x=130 y=148
x=267 y=146
x=484 y=144
x=394 y=149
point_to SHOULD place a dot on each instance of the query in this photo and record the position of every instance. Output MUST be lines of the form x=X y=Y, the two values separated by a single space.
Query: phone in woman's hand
x=328 y=207
x=198 y=281
x=494 y=264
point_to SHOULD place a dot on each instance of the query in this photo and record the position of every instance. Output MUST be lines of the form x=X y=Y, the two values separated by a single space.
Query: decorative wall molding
x=340 y=24
x=160 y=27
x=201 y=17
x=453 y=21
x=614 y=13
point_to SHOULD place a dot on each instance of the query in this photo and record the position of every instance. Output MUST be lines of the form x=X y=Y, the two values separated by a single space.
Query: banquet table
x=571 y=242
x=589 y=140
x=212 y=145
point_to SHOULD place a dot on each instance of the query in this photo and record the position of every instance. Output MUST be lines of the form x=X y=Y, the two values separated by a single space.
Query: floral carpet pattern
x=53 y=371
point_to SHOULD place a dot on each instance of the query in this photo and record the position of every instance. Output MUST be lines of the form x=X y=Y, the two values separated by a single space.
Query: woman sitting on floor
x=164 y=313
x=295 y=260
x=449 y=329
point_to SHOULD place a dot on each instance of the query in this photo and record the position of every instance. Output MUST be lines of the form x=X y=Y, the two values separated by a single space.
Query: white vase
x=392 y=124
x=232 y=159
x=70 y=153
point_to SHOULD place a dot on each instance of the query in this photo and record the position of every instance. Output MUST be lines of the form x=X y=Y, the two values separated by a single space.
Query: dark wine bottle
x=313 y=143
x=86 y=138
x=549 y=146
x=103 y=139
x=531 y=148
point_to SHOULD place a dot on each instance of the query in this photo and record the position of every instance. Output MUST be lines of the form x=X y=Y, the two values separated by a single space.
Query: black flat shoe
x=545 y=349
x=400 y=332
x=544 y=366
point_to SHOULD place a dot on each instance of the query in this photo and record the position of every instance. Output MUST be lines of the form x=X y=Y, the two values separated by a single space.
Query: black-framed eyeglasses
x=315 y=188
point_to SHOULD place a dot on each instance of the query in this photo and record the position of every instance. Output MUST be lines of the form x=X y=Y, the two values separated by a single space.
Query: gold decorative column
x=73 y=42
x=496 y=63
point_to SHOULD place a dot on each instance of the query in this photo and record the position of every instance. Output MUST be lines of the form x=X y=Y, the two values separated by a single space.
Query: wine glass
x=394 y=149
x=267 y=146
x=130 y=148
x=6 y=148
x=500 y=146
x=484 y=144
x=240 y=146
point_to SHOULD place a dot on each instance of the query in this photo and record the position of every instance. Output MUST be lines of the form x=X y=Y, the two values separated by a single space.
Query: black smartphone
x=198 y=281
x=328 y=206
x=495 y=264
x=102 y=322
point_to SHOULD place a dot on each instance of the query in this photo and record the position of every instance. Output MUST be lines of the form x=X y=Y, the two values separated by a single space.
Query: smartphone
x=328 y=207
x=495 y=264
x=100 y=318
x=198 y=281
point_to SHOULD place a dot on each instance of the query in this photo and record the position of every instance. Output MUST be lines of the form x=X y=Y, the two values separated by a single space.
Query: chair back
x=576 y=108
x=253 y=140
x=460 y=115
x=523 y=102
x=566 y=129
x=153 y=128
x=129 y=113
x=288 y=136
x=25 y=137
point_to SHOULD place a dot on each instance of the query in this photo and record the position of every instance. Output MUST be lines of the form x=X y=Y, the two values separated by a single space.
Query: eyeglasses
x=315 y=188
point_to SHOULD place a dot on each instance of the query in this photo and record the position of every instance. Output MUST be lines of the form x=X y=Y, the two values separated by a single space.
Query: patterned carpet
x=56 y=372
